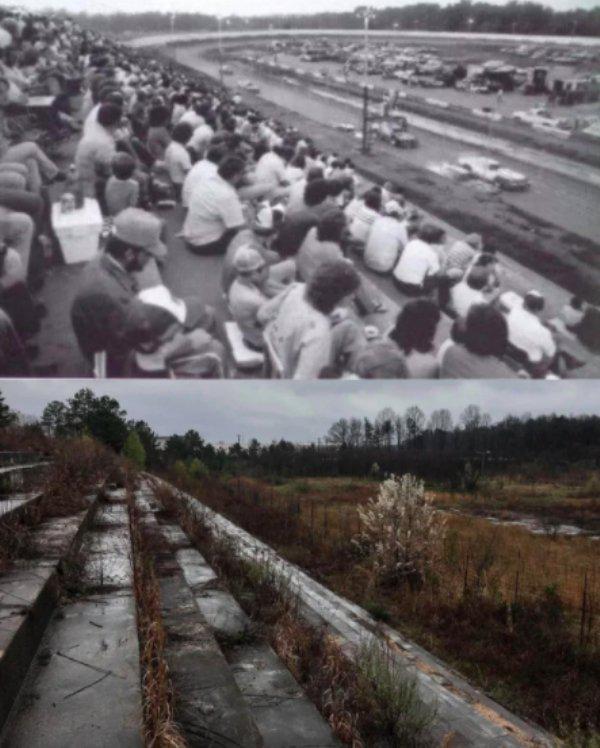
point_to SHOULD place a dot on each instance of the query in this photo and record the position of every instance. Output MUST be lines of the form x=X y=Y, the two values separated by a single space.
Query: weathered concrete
x=208 y=704
x=281 y=711
x=28 y=595
x=84 y=688
x=21 y=477
x=18 y=505
x=463 y=712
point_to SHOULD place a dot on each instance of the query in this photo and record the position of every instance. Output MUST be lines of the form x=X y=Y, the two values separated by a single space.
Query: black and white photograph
x=300 y=193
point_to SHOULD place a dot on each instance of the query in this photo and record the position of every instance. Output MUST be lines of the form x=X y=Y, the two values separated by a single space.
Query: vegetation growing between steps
x=515 y=613
x=368 y=702
x=160 y=730
x=78 y=466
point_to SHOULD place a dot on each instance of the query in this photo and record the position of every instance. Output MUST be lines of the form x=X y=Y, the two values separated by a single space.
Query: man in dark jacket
x=99 y=311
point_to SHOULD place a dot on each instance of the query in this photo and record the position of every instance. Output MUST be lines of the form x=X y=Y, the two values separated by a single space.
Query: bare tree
x=441 y=420
x=385 y=422
x=356 y=432
x=415 y=421
x=339 y=433
x=471 y=417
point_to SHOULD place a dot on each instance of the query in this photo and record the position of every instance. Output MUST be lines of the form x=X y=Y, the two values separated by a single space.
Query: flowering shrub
x=401 y=530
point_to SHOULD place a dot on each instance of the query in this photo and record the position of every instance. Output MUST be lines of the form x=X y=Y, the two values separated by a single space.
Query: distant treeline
x=512 y=18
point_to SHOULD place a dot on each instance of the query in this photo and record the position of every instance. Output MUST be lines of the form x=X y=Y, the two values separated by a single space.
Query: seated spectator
x=271 y=167
x=280 y=272
x=366 y=215
x=295 y=170
x=380 y=359
x=95 y=150
x=295 y=201
x=200 y=140
x=471 y=290
x=177 y=157
x=13 y=357
x=246 y=294
x=296 y=224
x=386 y=240
x=478 y=347
x=166 y=332
x=158 y=134
x=323 y=243
x=302 y=329
x=414 y=333
x=201 y=171
x=215 y=213
x=461 y=255
x=108 y=287
x=122 y=190
x=418 y=268
x=15 y=298
x=529 y=335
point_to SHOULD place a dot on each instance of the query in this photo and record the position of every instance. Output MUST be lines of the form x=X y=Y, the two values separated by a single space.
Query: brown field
x=516 y=613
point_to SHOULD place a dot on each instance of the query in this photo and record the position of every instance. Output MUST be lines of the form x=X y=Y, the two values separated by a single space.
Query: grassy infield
x=514 y=612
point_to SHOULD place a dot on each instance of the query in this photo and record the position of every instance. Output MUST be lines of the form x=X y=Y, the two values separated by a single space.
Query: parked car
x=489 y=170
x=344 y=126
x=249 y=86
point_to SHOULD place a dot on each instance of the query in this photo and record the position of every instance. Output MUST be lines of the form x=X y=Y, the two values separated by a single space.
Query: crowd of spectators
x=306 y=246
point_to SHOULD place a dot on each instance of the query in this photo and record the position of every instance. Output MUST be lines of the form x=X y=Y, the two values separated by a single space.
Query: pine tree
x=134 y=450
x=7 y=417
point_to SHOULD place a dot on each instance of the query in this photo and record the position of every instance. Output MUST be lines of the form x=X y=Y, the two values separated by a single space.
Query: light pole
x=220 y=30
x=366 y=14
x=172 y=23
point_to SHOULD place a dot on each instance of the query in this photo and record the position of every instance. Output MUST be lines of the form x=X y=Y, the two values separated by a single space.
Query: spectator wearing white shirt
x=201 y=171
x=201 y=138
x=365 y=216
x=177 y=157
x=387 y=239
x=215 y=213
x=470 y=290
x=272 y=165
x=419 y=265
x=529 y=335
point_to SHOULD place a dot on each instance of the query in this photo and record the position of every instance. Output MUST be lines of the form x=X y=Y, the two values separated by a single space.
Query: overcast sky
x=303 y=411
x=243 y=8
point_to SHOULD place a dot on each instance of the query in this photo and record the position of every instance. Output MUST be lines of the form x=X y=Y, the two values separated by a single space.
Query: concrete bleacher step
x=462 y=711
x=83 y=689
x=209 y=708
x=278 y=707
x=21 y=477
x=28 y=594
x=17 y=505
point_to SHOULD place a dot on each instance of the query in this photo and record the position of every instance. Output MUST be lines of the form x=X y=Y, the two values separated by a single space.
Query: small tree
x=133 y=449
x=402 y=530
x=7 y=417
x=197 y=469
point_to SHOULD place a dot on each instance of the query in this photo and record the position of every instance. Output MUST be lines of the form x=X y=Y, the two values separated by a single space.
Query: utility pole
x=220 y=22
x=366 y=14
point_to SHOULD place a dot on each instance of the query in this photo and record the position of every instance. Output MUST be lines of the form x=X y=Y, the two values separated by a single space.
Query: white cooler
x=78 y=231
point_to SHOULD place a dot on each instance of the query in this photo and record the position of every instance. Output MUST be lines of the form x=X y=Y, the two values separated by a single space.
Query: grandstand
x=155 y=225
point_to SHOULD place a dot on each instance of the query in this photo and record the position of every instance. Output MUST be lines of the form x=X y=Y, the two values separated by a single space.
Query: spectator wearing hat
x=414 y=334
x=304 y=328
x=215 y=212
x=109 y=284
x=387 y=239
x=95 y=150
x=122 y=190
x=163 y=330
x=246 y=295
x=529 y=336
x=478 y=347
